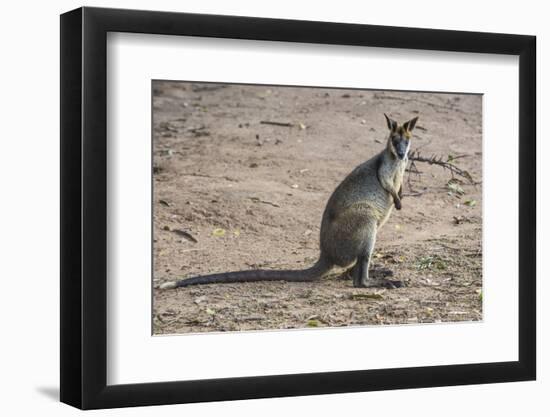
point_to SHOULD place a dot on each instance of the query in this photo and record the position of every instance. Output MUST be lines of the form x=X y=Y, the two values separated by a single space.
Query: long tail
x=317 y=271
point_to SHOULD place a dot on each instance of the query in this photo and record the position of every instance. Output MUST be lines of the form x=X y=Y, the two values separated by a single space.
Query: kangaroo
x=355 y=211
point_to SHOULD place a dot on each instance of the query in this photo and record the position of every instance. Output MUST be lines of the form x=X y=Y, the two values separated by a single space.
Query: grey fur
x=356 y=210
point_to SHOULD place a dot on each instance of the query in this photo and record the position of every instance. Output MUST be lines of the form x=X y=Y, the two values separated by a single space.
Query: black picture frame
x=84 y=207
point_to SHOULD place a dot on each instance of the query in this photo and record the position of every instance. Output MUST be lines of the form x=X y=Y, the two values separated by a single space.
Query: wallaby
x=355 y=212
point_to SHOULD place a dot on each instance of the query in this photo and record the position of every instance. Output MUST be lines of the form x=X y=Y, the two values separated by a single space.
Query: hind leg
x=373 y=272
x=361 y=269
x=360 y=272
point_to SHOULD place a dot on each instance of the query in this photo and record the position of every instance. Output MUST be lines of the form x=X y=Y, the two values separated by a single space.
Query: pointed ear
x=409 y=126
x=392 y=124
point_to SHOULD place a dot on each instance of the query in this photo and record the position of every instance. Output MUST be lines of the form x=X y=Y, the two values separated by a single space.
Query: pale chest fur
x=393 y=169
x=399 y=172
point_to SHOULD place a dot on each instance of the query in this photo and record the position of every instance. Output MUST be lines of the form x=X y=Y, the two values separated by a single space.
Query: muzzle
x=401 y=150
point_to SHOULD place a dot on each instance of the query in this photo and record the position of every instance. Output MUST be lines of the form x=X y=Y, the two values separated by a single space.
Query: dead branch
x=415 y=156
x=412 y=169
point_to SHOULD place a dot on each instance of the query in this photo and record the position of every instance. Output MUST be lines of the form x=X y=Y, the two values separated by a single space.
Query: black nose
x=401 y=154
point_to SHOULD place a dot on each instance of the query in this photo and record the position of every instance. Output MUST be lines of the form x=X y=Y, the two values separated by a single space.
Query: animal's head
x=399 y=140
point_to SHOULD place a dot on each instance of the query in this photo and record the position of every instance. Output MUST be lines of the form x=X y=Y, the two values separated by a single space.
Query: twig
x=194 y=174
x=426 y=102
x=413 y=169
x=193 y=250
x=196 y=88
x=454 y=158
x=257 y=200
x=185 y=235
x=443 y=245
x=284 y=124
x=472 y=252
x=438 y=160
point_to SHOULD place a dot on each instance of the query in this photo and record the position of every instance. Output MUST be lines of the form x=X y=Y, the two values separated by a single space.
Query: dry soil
x=232 y=193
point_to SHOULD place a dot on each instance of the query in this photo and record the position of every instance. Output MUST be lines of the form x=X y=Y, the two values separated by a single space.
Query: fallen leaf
x=470 y=203
x=454 y=188
x=366 y=296
x=185 y=235
x=313 y=323
x=218 y=232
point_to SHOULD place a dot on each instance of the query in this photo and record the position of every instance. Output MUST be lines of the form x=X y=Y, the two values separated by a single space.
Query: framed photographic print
x=257 y=207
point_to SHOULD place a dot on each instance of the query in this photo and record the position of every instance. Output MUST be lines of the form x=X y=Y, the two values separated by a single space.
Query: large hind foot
x=384 y=283
x=375 y=273
x=392 y=284
x=375 y=279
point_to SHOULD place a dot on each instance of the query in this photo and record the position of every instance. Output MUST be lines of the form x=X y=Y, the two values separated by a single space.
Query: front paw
x=397 y=204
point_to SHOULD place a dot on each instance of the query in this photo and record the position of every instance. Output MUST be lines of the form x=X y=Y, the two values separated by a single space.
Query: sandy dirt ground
x=233 y=193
